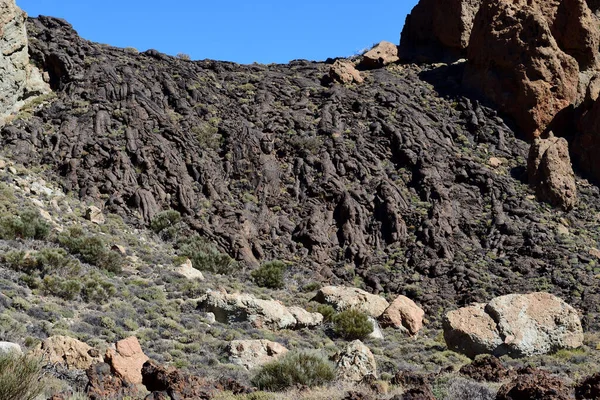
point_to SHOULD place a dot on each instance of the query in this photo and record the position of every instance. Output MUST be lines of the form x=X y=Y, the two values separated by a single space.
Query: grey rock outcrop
x=253 y=353
x=520 y=325
x=19 y=80
x=344 y=298
x=355 y=362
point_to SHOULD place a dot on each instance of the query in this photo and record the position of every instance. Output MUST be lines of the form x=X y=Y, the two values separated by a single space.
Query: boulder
x=344 y=72
x=438 y=30
x=20 y=80
x=355 y=362
x=516 y=61
x=94 y=214
x=253 y=353
x=126 y=360
x=8 y=348
x=471 y=331
x=305 y=319
x=551 y=173
x=520 y=325
x=531 y=383
x=268 y=314
x=403 y=314
x=102 y=384
x=67 y=352
x=382 y=54
x=172 y=384
x=344 y=298
x=187 y=270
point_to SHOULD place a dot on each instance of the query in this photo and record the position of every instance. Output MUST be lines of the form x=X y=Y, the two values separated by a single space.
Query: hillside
x=405 y=184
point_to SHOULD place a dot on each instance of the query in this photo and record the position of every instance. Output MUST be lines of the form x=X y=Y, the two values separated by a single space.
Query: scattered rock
x=382 y=54
x=438 y=30
x=486 y=369
x=344 y=72
x=104 y=385
x=268 y=314
x=119 y=249
x=355 y=362
x=8 y=347
x=187 y=270
x=253 y=353
x=520 y=325
x=471 y=331
x=305 y=319
x=344 y=298
x=589 y=388
x=68 y=352
x=127 y=359
x=495 y=162
x=403 y=314
x=94 y=214
x=172 y=384
x=550 y=172
x=532 y=383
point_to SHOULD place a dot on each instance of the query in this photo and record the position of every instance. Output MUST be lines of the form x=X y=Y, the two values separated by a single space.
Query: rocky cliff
x=19 y=80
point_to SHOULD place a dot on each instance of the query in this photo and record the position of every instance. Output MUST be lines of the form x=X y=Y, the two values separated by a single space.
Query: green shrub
x=95 y=289
x=28 y=224
x=352 y=324
x=164 y=220
x=20 y=377
x=67 y=289
x=91 y=249
x=327 y=311
x=294 y=369
x=270 y=275
x=43 y=262
x=206 y=257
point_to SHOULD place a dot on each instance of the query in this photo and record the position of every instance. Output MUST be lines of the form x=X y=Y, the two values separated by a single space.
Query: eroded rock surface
x=253 y=353
x=126 y=360
x=355 y=362
x=344 y=298
x=68 y=352
x=516 y=324
x=531 y=383
x=403 y=314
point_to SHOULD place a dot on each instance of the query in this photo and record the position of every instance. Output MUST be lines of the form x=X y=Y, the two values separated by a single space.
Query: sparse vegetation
x=91 y=248
x=352 y=324
x=270 y=275
x=27 y=224
x=294 y=369
x=20 y=377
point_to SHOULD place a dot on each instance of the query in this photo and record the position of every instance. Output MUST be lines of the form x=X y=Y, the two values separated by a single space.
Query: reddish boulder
x=438 y=30
x=532 y=383
x=104 y=385
x=344 y=72
x=403 y=314
x=127 y=360
x=174 y=384
x=382 y=54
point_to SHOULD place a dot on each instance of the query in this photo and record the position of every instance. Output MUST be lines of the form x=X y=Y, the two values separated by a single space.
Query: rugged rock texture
x=19 y=80
x=268 y=314
x=403 y=314
x=127 y=359
x=486 y=369
x=515 y=60
x=550 y=172
x=104 y=385
x=68 y=352
x=589 y=388
x=518 y=325
x=355 y=362
x=172 y=384
x=531 y=383
x=382 y=54
x=345 y=72
x=385 y=182
x=344 y=298
x=253 y=353
x=438 y=30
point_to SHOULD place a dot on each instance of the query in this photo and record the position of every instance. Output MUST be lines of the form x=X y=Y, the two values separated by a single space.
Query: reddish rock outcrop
x=172 y=384
x=127 y=360
x=384 y=53
x=403 y=314
x=486 y=369
x=104 y=385
x=550 y=172
x=532 y=383
x=438 y=30
x=344 y=72
x=66 y=351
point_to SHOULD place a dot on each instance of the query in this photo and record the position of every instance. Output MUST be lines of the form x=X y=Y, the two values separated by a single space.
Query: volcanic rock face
x=531 y=383
x=19 y=80
x=438 y=30
x=550 y=172
x=518 y=325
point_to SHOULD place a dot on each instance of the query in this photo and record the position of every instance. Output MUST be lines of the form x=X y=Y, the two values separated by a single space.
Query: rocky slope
x=390 y=182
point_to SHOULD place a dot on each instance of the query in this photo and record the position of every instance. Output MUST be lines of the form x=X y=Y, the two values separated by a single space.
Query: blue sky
x=264 y=31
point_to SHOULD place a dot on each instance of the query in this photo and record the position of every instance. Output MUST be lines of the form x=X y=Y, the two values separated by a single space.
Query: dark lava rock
x=589 y=388
x=419 y=393
x=174 y=384
x=104 y=385
x=486 y=369
x=534 y=384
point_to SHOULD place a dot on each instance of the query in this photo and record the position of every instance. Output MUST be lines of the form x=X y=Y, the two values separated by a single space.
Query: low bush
x=270 y=275
x=294 y=369
x=164 y=220
x=43 y=262
x=206 y=257
x=352 y=324
x=20 y=377
x=28 y=224
x=91 y=249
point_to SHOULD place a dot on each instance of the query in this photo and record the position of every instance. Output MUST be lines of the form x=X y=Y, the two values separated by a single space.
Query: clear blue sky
x=264 y=31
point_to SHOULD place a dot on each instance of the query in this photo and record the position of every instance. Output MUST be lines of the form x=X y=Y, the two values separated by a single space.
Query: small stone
x=495 y=162
x=94 y=214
